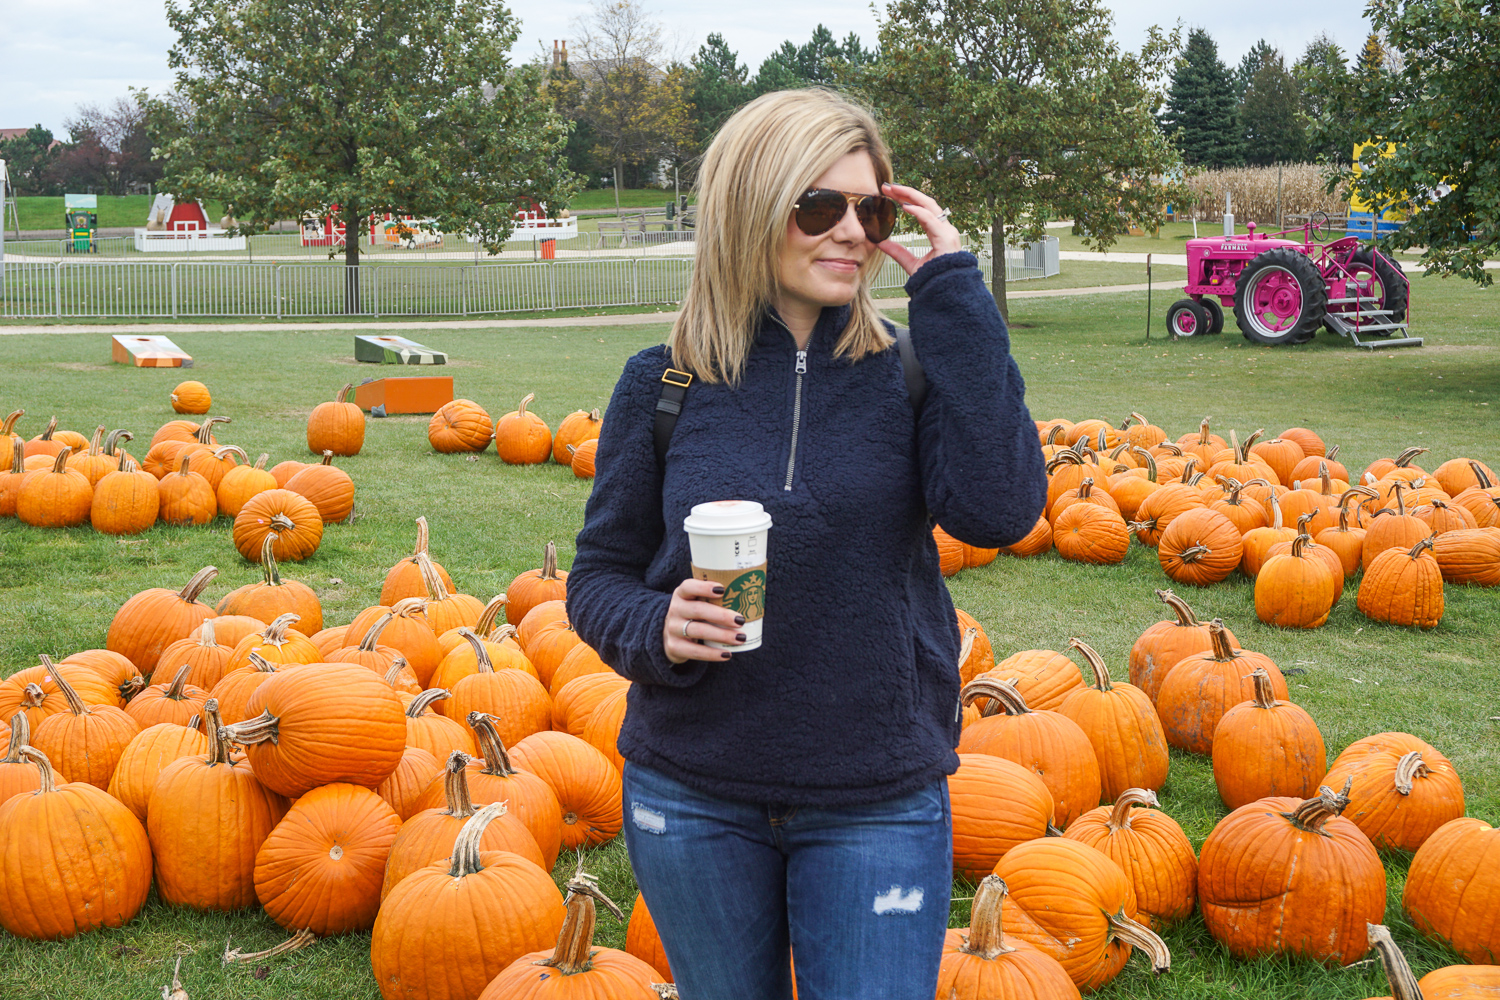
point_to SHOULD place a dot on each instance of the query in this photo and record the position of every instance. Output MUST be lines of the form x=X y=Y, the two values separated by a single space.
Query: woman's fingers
x=692 y=619
x=902 y=256
x=941 y=234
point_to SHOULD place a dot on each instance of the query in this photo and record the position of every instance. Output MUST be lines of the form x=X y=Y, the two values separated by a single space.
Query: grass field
x=1080 y=356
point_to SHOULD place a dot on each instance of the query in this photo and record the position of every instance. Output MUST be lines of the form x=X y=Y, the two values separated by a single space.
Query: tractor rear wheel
x=1280 y=298
x=1186 y=318
x=1393 y=289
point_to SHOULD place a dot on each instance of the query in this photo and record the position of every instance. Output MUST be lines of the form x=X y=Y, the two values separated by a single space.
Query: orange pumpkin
x=409 y=781
x=153 y=619
x=191 y=397
x=326 y=487
x=576 y=428
x=584 y=457
x=1402 y=588
x=58 y=497
x=586 y=783
x=1201 y=688
x=459 y=426
x=1164 y=644
x=126 y=501
x=337 y=426
x=296 y=522
x=1199 y=547
x=1152 y=850
x=405 y=578
x=522 y=437
x=1122 y=727
x=243 y=483
x=1403 y=789
x=1297 y=588
x=273 y=596
x=1088 y=533
x=1042 y=676
x=1265 y=747
x=144 y=758
x=175 y=701
x=996 y=805
x=86 y=741
x=534 y=586
x=1453 y=888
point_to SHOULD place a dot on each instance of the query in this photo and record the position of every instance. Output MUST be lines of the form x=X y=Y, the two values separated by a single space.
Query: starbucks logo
x=746 y=594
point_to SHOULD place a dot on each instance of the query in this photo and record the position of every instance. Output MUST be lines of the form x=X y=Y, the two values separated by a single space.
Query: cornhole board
x=404 y=394
x=148 y=352
x=395 y=351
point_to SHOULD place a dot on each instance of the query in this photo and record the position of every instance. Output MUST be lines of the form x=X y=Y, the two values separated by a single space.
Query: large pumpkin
x=1402 y=587
x=534 y=586
x=997 y=805
x=1076 y=905
x=1151 y=848
x=339 y=723
x=576 y=428
x=575 y=969
x=1121 y=725
x=1202 y=687
x=1403 y=789
x=75 y=859
x=337 y=426
x=1297 y=588
x=207 y=661
x=58 y=497
x=1088 y=533
x=146 y=756
x=1047 y=743
x=522 y=437
x=586 y=783
x=405 y=578
x=273 y=596
x=125 y=501
x=1266 y=747
x=326 y=487
x=1199 y=547
x=243 y=483
x=1453 y=889
x=986 y=964
x=296 y=522
x=153 y=619
x=207 y=817
x=458 y=426
x=1283 y=877
x=86 y=741
x=322 y=865
x=1163 y=645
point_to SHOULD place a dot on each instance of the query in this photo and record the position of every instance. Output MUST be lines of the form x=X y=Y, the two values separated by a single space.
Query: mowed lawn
x=1082 y=357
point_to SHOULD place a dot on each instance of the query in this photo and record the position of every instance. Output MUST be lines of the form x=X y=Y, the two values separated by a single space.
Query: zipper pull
x=801 y=362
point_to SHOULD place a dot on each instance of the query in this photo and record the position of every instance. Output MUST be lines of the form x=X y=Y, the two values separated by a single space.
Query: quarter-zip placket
x=791 y=460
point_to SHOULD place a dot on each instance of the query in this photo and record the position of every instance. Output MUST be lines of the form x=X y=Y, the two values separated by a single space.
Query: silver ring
x=945 y=213
x=684 y=627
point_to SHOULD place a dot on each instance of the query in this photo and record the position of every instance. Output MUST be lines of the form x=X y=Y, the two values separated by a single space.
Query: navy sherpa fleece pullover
x=853 y=695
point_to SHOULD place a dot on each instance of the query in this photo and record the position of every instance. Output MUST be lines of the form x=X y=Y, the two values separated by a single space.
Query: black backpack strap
x=674 y=387
x=916 y=379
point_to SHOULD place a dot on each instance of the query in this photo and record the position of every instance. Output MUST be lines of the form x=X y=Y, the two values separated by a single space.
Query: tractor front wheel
x=1280 y=298
x=1214 y=312
x=1186 y=318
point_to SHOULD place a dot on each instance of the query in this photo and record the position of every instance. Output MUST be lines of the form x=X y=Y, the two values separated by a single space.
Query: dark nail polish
x=740 y=637
x=718 y=591
x=724 y=656
x=739 y=619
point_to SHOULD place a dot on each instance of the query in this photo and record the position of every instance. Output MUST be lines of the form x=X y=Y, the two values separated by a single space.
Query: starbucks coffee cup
x=728 y=543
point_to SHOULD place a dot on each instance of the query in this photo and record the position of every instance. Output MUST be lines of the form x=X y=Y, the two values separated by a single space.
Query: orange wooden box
x=405 y=394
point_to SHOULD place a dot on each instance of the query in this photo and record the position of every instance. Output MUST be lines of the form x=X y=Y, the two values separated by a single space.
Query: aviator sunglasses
x=820 y=209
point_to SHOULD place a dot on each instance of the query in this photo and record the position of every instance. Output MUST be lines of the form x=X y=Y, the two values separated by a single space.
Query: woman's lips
x=841 y=265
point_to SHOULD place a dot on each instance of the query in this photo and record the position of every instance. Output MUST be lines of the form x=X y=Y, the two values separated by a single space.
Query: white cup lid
x=727 y=517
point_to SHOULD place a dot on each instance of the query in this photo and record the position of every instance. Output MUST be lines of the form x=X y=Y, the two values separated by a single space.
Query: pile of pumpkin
x=1282 y=512
x=341 y=777
x=60 y=479
x=1070 y=887
x=521 y=437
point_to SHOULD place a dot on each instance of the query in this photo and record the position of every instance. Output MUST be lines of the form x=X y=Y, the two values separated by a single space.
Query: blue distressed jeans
x=858 y=894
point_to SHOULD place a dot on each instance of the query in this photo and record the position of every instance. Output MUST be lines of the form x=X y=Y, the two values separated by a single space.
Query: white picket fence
x=114 y=288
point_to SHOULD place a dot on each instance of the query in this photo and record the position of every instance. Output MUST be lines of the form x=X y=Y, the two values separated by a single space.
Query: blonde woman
x=793 y=799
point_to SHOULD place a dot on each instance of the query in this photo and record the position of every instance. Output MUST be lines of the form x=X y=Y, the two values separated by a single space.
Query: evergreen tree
x=718 y=84
x=1258 y=55
x=1323 y=80
x=1371 y=61
x=1200 y=113
x=1270 y=113
x=820 y=62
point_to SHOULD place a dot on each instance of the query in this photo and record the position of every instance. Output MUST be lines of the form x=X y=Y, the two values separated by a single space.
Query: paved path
x=632 y=319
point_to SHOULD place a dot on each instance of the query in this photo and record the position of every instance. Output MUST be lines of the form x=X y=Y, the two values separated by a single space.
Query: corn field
x=1253 y=193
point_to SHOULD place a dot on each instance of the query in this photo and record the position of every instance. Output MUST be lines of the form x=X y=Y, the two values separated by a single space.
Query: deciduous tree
x=28 y=159
x=408 y=106
x=1009 y=113
x=1322 y=79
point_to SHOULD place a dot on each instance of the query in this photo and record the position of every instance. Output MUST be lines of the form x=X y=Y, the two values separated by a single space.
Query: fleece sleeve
x=610 y=605
x=982 y=470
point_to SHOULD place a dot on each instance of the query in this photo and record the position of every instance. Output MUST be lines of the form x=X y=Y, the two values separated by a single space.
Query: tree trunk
x=997 y=254
x=351 y=261
x=618 y=172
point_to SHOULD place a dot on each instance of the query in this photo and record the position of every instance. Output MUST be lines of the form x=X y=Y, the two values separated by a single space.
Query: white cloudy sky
x=59 y=53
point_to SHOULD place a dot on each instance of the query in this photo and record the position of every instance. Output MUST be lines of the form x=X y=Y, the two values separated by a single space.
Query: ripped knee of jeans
x=647 y=819
x=899 y=900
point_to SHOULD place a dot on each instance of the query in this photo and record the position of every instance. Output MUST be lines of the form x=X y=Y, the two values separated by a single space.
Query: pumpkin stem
x=1095 y=662
x=1302 y=520
x=179 y=681
x=525 y=402
x=372 y=634
x=1235 y=447
x=496 y=760
x=1064 y=458
x=549 y=562
x=1170 y=448
x=421 y=546
x=967 y=646
x=75 y=703
x=486 y=623
x=1403 y=981
x=32 y=696
x=1404 y=459
x=1479 y=474
x=232 y=449
x=134 y=686
x=1219 y=635
x=503 y=631
x=193 y=722
x=112 y=443
x=1408 y=768
x=466 y=860
x=1119 y=814
x=327 y=457
x=398 y=664
x=1265 y=697
x=986 y=938
x=301 y=939
x=222 y=748
x=431 y=579
x=1193 y=553
x=1275 y=511
x=260 y=463
x=408 y=607
x=10 y=421
x=198 y=584
x=264 y=728
x=261 y=665
x=1187 y=468
x=572 y=954
x=275 y=633
x=49 y=777
x=1203 y=434
x=1053 y=433
x=1137 y=935
x=1005 y=693
x=18 y=457
x=205 y=433
x=1185 y=616
x=268 y=568
x=483 y=663
x=342 y=395
x=1314 y=812
x=60 y=463
x=20 y=735
x=1085 y=488
x=94 y=442
x=1326 y=478
x=1416 y=549
x=423 y=701
x=50 y=429
x=456 y=785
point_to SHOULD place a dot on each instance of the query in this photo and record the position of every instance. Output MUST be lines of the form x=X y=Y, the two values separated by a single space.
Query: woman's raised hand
x=940 y=232
x=692 y=617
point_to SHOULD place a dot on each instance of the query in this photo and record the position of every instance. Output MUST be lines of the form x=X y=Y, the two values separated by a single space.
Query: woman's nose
x=849 y=228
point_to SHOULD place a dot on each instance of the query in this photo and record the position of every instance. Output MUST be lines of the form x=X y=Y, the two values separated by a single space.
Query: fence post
x=174 y=291
x=376 y=270
x=463 y=291
x=276 y=287
x=635 y=281
x=57 y=289
x=552 y=284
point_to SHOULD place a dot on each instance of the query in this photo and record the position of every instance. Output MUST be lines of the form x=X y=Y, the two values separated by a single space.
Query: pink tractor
x=1284 y=290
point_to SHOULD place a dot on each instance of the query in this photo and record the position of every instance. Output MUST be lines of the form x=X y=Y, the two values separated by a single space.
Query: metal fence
x=115 y=288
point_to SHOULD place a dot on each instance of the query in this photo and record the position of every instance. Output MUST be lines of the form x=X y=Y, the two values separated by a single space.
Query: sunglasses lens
x=819 y=211
x=878 y=216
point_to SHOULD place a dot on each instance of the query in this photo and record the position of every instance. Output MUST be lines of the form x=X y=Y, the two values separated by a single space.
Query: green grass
x=629 y=198
x=1080 y=356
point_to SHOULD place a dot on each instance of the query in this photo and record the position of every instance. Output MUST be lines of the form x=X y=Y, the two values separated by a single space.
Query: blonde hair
x=765 y=156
